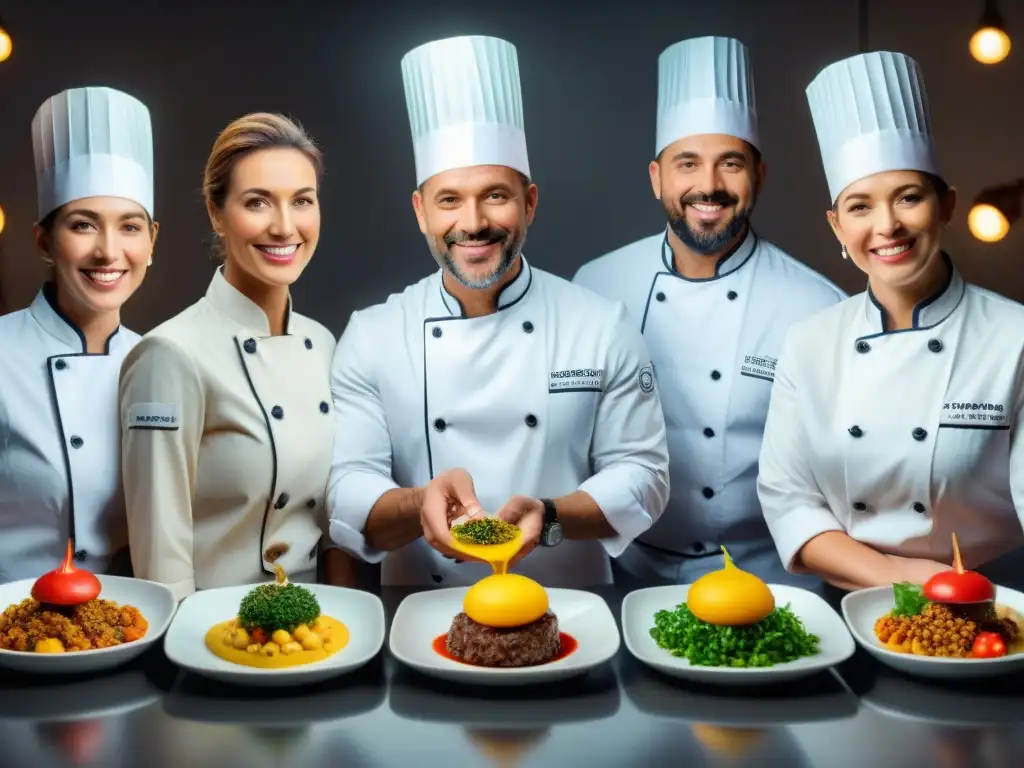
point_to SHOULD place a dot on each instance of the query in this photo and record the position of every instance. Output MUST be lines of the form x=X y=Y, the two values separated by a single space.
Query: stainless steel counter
x=152 y=715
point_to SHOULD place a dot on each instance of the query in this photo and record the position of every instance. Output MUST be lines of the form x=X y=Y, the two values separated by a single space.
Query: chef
x=713 y=301
x=489 y=385
x=225 y=408
x=895 y=419
x=60 y=474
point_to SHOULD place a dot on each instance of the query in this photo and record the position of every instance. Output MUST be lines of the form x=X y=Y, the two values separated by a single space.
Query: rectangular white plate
x=361 y=612
x=423 y=616
x=836 y=645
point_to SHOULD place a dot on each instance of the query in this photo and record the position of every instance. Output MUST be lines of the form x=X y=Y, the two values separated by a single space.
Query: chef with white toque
x=895 y=419
x=489 y=385
x=60 y=469
x=714 y=302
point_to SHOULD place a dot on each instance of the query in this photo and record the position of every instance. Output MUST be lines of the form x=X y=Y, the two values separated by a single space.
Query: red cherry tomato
x=988 y=645
x=66 y=585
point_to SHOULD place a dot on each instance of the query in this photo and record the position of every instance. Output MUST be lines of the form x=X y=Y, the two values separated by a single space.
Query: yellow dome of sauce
x=730 y=597
x=505 y=600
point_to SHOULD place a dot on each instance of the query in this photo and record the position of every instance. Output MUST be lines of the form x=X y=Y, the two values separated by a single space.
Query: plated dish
x=504 y=630
x=276 y=634
x=70 y=620
x=957 y=624
x=730 y=627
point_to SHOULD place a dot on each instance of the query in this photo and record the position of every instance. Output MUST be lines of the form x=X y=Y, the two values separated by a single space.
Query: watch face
x=552 y=535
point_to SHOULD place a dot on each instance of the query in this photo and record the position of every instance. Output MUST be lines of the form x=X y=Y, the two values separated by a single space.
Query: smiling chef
x=713 y=301
x=60 y=476
x=490 y=384
x=895 y=419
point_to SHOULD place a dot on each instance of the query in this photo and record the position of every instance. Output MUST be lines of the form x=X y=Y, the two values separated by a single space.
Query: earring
x=846 y=253
x=150 y=262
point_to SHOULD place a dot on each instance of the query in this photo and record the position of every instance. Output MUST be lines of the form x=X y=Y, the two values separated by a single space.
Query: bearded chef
x=895 y=419
x=489 y=385
x=60 y=475
x=713 y=301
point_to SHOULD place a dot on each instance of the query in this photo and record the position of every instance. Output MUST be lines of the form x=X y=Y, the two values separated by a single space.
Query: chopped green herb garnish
x=908 y=599
x=278 y=606
x=778 y=638
x=486 y=530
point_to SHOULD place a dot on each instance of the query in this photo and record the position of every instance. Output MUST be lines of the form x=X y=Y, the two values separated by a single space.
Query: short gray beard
x=509 y=253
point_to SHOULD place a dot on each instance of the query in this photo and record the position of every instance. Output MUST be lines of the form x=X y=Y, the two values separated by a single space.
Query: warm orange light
x=3 y=220
x=990 y=45
x=6 y=45
x=987 y=223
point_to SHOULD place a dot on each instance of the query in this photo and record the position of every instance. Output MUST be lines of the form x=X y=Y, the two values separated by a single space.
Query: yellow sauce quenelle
x=284 y=649
x=278 y=625
x=730 y=597
x=505 y=600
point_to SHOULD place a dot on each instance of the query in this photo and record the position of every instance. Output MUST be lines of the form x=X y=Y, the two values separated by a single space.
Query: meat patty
x=526 y=646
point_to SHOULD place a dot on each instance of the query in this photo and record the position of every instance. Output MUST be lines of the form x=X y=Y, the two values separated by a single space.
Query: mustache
x=718 y=197
x=485 y=236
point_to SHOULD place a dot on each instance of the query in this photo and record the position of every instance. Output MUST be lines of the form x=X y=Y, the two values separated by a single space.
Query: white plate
x=154 y=601
x=361 y=612
x=862 y=608
x=422 y=616
x=836 y=645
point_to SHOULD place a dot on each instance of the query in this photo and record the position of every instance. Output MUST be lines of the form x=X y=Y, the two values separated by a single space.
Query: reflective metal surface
x=152 y=715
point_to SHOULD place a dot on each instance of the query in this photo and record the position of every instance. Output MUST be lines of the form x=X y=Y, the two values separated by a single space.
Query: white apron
x=901 y=438
x=551 y=394
x=59 y=445
x=714 y=343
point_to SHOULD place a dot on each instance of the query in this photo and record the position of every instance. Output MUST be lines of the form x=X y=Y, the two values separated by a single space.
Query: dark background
x=588 y=72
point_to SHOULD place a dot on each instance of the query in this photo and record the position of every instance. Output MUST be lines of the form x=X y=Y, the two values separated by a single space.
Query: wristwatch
x=551 y=531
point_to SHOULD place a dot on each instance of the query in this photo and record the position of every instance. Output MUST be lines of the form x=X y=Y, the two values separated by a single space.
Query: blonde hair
x=248 y=134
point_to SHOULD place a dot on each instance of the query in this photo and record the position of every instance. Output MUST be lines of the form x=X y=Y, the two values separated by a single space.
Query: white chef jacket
x=714 y=343
x=551 y=394
x=227 y=437
x=59 y=443
x=900 y=438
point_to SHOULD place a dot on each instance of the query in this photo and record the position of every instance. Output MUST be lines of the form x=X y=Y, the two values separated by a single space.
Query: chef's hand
x=528 y=514
x=448 y=499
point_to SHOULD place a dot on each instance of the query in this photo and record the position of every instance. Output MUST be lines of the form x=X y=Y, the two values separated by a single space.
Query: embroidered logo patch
x=645 y=378
x=153 y=416
x=974 y=414
x=759 y=367
x=576 y=380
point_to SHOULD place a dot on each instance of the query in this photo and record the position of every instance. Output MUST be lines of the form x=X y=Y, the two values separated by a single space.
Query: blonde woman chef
x=225 y=408
x=59 y=440
x=895 y=420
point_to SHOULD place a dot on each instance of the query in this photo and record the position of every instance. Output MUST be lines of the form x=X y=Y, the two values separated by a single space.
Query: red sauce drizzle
x=567 y=644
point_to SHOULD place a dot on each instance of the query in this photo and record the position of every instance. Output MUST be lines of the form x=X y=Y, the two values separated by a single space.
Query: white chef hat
x=91 y=142
x=465 y=105
x=705 y=85
x=871 y=115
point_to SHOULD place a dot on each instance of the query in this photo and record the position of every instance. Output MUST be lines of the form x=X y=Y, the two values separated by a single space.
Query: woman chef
x=225 y=408
x=59 y=463
x=895 y=417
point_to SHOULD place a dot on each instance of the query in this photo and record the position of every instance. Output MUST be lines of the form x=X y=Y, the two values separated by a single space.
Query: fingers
x=514 y=509
x=461 y=490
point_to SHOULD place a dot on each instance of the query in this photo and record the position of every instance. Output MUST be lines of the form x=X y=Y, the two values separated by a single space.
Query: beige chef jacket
x=226 y=445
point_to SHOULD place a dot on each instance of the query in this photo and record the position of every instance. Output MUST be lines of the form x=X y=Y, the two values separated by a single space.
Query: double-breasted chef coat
x=551 y=394
x=60 y=474
x=714 y=343
x=901 y=438
x=227 y=437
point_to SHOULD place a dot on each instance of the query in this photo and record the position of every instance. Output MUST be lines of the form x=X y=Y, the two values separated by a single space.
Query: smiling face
x=100 y=248
x=475 y=221
x=890 y=224
x=708 y=186
x=269 y=222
